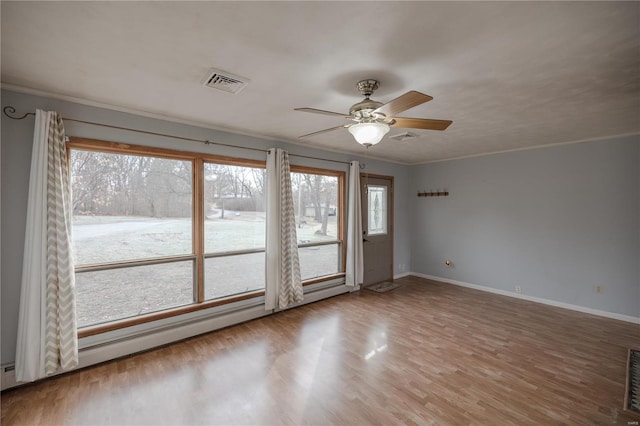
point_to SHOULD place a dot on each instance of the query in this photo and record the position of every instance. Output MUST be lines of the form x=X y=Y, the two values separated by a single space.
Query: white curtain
x=283 y=282
x=47 y=339
x=355 y=258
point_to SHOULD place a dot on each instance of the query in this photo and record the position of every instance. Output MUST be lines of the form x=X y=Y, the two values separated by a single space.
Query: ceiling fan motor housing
x=365 y=109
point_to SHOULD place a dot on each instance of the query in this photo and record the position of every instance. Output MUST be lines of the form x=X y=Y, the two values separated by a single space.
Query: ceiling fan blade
x=403 y=103
x=421 y=123
x=325 y=130
x=321 y=111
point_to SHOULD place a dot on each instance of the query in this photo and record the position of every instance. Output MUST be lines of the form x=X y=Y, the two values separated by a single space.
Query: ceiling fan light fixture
x=369 y=134
x=372 y=118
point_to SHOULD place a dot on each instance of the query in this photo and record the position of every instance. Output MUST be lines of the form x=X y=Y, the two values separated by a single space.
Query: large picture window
x=130 y=210
x=158 y=232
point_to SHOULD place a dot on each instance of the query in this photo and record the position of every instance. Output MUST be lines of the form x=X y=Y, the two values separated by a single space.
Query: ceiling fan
x=373 y=119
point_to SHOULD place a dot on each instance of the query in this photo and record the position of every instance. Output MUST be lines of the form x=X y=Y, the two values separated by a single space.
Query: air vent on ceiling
x=403 y=137
x=222 y=80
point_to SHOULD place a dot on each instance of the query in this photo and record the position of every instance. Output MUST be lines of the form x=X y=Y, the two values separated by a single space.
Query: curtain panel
x=355 y=250
x=47 y=337
x=283 y=281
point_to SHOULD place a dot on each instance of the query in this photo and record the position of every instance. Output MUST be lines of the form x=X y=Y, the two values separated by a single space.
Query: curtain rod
x=8 y=110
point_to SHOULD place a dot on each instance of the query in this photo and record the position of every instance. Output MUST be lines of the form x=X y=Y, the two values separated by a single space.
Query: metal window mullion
x=319 y=243
x=233 y=253
x=133 y=263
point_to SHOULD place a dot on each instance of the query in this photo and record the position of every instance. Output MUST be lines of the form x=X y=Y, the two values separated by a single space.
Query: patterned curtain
x=355 y=256
x=47 y=339
x=283 y=282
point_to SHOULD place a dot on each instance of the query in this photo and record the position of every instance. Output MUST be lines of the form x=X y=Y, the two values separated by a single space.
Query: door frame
x=363 y=181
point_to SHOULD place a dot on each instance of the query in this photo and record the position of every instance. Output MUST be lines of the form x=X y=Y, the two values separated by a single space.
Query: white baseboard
x=402 y=275
x=555 y=303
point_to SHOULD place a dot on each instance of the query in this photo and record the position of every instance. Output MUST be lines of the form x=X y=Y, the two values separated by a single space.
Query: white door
x=377 y=228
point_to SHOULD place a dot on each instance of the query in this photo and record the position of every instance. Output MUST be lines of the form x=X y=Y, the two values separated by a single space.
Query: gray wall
x=16 y=158
x=557 y=221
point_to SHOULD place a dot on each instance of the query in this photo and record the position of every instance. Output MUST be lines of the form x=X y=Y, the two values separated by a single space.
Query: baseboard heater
x=100 y=351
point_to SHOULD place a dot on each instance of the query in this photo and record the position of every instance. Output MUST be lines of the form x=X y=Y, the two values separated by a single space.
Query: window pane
x=319 y=261
x=377 y=210
x=229 y=275
x=315 y=199
x=129 y=207
x=113 y=294
x=234 y=208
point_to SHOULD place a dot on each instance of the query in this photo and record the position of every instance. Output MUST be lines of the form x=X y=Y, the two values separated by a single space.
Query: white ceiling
x=510 y=75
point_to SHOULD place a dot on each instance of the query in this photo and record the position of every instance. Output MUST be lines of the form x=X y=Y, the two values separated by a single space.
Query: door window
x=377 y=210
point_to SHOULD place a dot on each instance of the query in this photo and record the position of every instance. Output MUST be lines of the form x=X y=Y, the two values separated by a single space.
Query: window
x=158 y=232
x=377 y=210
x=132 y=234
x=234 y=230
x=318 y=203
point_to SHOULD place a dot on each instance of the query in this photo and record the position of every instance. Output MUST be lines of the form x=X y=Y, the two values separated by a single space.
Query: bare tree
x=91 y=186
x=325 y=214
x=314 y=183
x=120 y=184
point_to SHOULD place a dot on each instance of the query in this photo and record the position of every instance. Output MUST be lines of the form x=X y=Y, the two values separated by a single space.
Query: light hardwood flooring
x=425 y=353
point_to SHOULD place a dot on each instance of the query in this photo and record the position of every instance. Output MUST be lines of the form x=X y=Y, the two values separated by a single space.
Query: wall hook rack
x=433 y=194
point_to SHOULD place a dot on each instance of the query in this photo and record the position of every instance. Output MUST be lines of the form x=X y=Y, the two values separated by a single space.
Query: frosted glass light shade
x=368 y=134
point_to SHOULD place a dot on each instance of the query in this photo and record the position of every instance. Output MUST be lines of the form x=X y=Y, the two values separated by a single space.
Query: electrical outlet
x=518 y=289
x=598 y=289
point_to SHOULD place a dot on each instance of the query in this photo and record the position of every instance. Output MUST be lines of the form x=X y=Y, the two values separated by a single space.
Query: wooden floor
x=425 y=353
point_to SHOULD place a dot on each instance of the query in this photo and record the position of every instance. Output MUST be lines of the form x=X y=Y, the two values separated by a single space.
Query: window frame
x=212 y=255
x=198 y=254
x=342 y=214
